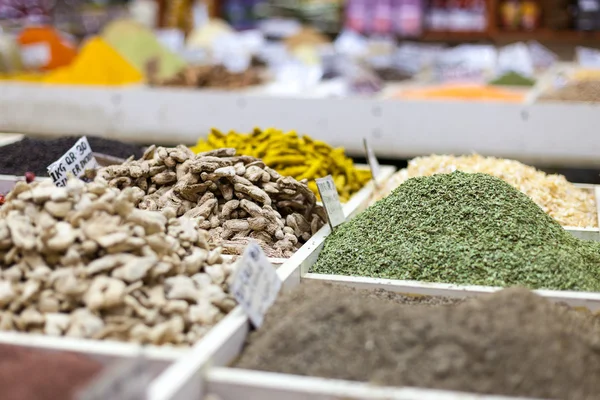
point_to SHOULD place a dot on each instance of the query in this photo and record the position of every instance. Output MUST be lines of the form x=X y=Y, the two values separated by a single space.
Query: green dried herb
x=464 y=229
x=513 y=79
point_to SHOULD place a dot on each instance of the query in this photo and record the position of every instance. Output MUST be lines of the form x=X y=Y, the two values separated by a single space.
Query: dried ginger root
x=235 y=198
x=567 y=204
x=82 y=261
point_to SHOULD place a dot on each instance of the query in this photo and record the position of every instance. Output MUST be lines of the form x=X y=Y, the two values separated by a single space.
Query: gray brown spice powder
x=471 y=229
x=511 y=343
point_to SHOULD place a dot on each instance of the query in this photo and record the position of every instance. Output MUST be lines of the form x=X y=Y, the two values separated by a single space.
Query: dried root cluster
x=82 y=261
x=235 y=198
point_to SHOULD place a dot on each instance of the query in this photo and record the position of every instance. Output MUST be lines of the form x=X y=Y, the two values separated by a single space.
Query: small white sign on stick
x=331 y=201
x=372 y=160
x=256 y=284
x=75 y=161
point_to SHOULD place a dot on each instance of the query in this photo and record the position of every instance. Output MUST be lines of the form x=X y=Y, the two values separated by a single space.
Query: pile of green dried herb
x=513 y=79
x=464 y=229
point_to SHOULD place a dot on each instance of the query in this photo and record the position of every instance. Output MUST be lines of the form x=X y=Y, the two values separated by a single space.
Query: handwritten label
x=256 y=284
x=372 y=160
x=75 y=161
x=331 y=201
x=127 y=380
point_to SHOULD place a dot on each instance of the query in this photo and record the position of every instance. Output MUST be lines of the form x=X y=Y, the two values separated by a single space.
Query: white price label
x=35 y=55
x=128 y=380
x=331 y=201
x=256 y=284
x=373 y=163
x=75 y=161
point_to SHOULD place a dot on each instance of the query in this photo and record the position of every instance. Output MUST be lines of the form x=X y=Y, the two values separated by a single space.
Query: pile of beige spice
x=569 y=205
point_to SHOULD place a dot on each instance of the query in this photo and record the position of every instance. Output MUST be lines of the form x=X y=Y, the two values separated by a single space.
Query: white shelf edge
x=234 y=384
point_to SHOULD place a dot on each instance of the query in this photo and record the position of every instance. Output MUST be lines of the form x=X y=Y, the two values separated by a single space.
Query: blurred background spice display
x=277 y=46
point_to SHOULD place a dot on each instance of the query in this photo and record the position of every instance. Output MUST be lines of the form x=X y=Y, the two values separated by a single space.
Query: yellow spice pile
x=290 y=154
x=569 y=205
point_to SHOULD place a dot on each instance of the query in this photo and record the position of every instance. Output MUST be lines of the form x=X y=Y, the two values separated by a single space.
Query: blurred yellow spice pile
x=96 y=64
x=289 y=154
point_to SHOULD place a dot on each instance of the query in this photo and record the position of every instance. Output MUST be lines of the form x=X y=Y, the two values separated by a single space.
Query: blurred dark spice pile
x=35 y=155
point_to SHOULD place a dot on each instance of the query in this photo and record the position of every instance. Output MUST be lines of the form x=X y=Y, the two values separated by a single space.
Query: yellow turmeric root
x=292 y=155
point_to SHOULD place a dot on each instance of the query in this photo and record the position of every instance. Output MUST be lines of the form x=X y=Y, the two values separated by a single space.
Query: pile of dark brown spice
x=32 y=374
x=512 y=342
x=35 y=155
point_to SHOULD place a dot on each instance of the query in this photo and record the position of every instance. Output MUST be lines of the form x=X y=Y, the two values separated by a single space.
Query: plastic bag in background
x=465 y=64
x=230 y=51
x=360 y=79
x=293 y=78
x=412 y=58
x=541 y=56
x=351 y=44
x=515 y=58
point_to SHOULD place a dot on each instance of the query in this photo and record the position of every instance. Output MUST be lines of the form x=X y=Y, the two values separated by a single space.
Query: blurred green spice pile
x=464 y=229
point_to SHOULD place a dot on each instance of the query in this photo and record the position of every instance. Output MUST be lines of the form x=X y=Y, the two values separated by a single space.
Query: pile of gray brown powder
x=512 y=342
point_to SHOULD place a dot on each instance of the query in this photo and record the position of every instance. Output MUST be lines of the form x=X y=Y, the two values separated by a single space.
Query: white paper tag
x=75 y=161
x=331 y=201
x=372 y=160
x=128 y=380
x=256 y=284
x=35 y=55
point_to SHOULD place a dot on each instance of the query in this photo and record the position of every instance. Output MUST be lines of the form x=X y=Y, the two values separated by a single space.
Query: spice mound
x=33 y=374
x=82 y=261
x=582 y=90
x=235 y=198
x=36 y=155
x=563 y=201
x=512 y=342
x=300 y=157
x=461 y=228
x=212 y=76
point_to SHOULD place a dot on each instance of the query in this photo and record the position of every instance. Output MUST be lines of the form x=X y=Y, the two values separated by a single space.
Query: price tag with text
x=331 y=201
x=372 y=160
x=256 y=284
x=75 y=161
x=128 y=380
